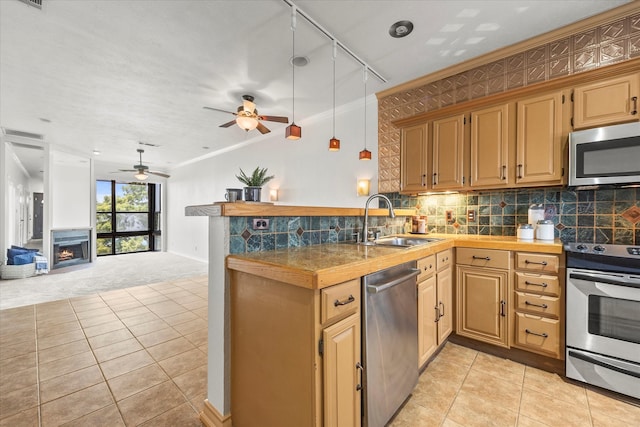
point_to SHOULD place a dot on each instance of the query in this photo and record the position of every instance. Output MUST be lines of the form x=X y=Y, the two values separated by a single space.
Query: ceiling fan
x=143 y=170
x=247 y=117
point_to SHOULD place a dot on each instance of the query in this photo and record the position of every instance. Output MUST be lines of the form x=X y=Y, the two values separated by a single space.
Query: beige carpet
x=107 y=273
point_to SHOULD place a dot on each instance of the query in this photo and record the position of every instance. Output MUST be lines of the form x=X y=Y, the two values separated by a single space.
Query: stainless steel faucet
x=365 y=227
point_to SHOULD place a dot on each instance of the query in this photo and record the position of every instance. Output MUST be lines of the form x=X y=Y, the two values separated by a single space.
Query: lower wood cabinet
x=295 y=352
x=435 y=303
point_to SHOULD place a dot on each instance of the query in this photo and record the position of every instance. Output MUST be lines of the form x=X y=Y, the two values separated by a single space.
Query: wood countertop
x=319 y=266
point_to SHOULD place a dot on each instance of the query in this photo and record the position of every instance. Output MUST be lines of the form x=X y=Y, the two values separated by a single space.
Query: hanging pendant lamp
x=293 y=131
x=334 y=143
x=365 y=154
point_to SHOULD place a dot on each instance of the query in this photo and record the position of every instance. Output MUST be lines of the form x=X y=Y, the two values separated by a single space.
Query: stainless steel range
x=603 y=316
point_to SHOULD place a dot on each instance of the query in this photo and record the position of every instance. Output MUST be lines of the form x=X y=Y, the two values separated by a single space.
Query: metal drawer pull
x=526 y=261
x=503 y=303
x=345 y=302
x=503 y=175
x=519 y=171
x=437 y=314
x=543 y=335
x=360 y=368
x=441 y=313
x=536 y=305
x=635 y=105
x=486 y=258
x=544 y=285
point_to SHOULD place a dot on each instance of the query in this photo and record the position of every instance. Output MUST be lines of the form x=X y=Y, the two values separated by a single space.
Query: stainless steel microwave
x=606 y=156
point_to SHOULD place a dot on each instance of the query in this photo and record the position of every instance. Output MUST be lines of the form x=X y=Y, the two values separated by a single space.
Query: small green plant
x=257 y=179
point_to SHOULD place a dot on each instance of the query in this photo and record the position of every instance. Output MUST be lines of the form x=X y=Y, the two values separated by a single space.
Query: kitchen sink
x=404 y=241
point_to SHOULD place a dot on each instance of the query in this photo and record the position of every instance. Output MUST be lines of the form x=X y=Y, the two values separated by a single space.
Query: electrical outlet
x=260 y=224
x=471 y=215
x=449 y=216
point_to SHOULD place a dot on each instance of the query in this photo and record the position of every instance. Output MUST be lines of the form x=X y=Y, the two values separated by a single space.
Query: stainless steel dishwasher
x=389 y=341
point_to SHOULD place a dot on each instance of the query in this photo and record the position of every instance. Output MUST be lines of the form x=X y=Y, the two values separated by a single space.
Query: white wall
x=71 y=196
x=306 y=173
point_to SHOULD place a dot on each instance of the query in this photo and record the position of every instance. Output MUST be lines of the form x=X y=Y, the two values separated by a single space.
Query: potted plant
x=254 y=183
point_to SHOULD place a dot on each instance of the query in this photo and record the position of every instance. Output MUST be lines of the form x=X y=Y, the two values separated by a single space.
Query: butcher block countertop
x=319 y=266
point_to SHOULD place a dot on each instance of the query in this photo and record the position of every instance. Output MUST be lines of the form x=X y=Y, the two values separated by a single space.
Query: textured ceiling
x=106 y=75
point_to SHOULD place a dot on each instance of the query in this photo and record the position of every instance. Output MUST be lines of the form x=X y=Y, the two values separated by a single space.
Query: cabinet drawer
x=537 y=262
x=444 y=259
x=539 y=283
x=538 y=334
x=340 y=299
x=539 y=304
x=483 y=257
x=426 y=266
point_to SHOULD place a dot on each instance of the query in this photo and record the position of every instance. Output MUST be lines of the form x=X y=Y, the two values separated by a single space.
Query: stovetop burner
x=602 y=257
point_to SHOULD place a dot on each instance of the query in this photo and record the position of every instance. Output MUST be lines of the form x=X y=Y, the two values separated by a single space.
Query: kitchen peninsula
x=276 y=305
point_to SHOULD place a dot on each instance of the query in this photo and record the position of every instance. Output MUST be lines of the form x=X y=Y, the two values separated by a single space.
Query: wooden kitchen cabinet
x=435 y=303
x=298 y=346
x=606 y=102
x=538 y=301
x=490 y=148
x=414 y=159
x=448 y=153
x=482 y=289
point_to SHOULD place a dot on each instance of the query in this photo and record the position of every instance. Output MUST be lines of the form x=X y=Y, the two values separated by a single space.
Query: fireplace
x=70 y=247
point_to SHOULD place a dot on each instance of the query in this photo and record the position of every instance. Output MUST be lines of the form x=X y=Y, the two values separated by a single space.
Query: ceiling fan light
x=334 y=144
x=141 y=176
x=247 y=123
x=365 y=155
x=293 y=131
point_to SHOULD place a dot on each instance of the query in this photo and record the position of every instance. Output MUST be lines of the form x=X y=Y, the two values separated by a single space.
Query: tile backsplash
x=589 y=216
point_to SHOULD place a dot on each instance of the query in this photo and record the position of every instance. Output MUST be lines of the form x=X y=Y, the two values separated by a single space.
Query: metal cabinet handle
x=543 y=285
x=360 y=368
x=422 y=180
x=503 y=304
x=526 y=261
x=536 y=305
x=519 y=171
x=441 y=313
x=428 y=268
x=486 y=258
x=635 y=105
x=543 y=335
x=435 y=180
x=437 y=314
x=503 y=175
x=345 y=302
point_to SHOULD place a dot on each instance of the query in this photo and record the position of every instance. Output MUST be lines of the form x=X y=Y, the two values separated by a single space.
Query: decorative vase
x=252 y=194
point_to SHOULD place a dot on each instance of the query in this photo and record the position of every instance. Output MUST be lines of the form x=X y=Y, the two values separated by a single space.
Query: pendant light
x=365 y=154
x=334 y=143
x=293 y=131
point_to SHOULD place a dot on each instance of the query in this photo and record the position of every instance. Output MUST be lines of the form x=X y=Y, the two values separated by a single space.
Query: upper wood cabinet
x=541 y=139
x=606 y=102
x=490 y=163
x=413 y=159
x=448 y=153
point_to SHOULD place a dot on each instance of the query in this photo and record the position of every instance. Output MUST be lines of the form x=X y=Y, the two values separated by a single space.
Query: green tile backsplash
x=589 y=216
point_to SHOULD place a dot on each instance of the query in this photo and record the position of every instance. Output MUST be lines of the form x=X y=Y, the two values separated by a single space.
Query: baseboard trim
x=210 y=417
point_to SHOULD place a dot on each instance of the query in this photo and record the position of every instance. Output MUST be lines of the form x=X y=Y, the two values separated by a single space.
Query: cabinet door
x=482 y=304
x=606 y=102
x=539 y=140
x=490 y=147
x=341 y=375
x=445 y=304
x=427 y=319
x=448 y=153
x=413 y=164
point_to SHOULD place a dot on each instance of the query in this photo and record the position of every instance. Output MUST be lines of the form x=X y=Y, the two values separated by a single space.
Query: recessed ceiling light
x=401 y=29
x=299 y=61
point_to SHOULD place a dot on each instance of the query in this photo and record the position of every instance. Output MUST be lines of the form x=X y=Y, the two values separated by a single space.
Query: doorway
x=38 y=209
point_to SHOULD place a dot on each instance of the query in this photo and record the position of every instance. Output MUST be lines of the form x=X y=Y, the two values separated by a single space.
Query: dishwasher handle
x=374 y=289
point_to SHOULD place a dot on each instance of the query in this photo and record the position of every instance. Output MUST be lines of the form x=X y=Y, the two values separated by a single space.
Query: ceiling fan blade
x=262 y=128
x=279 y=119
x=162 y=174
x=222 y=111
x=226 y=125
x=126 y=170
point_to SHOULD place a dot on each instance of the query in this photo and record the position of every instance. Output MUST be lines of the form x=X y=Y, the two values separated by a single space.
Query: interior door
x=38 y=208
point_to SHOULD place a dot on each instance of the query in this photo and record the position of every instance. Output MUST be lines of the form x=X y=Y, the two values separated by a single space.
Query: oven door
x=603 y=313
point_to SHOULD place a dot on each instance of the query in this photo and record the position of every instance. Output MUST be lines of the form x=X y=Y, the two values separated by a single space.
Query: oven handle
x=598 y=362
x=600 y=279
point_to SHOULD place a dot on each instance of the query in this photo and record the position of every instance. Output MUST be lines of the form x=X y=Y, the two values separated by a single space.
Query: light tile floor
x=137 y=356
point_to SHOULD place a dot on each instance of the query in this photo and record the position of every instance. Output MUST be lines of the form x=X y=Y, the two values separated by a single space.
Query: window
x=127 y=217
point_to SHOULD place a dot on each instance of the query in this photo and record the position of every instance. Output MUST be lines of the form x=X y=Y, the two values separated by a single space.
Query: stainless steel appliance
x=603 y=316
x=605 y=156
x=390 y=341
